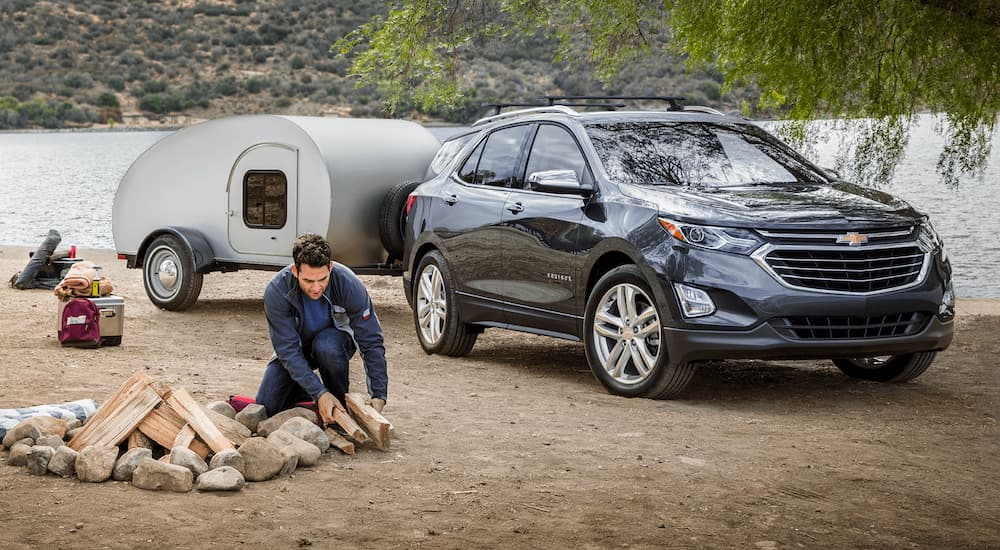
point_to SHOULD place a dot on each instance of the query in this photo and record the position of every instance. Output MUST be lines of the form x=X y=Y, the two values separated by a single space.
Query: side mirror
x=557 y=181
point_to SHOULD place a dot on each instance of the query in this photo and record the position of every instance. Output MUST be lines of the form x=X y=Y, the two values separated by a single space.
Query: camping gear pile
x=159 y=438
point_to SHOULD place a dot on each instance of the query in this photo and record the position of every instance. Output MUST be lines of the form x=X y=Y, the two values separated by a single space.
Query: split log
x=185 y=437
x=234 y=431
x=373 y=422
x=120 y=414
x=182 y=402
x=339 y=441
x=163 y=425
x=344 y=420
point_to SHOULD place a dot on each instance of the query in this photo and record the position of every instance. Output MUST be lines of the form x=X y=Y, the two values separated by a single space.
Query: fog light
x=695 y=302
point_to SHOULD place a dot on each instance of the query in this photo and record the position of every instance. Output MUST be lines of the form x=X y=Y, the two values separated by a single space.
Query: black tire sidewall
x=392 y=217
x=437 y=260
x=188 y=281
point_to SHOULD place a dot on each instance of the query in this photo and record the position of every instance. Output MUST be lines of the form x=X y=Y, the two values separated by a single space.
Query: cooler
x=112 y=321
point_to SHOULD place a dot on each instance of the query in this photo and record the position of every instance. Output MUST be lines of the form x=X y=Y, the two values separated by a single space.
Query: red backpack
x=80 y=324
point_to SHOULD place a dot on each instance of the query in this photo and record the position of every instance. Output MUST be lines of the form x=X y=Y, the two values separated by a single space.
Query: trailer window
x=265 y=199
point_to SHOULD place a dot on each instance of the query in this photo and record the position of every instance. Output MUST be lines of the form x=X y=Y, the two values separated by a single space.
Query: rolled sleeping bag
x=26 y=279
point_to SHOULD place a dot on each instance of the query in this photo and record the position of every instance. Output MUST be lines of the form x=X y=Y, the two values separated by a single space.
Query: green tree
x=871 y=64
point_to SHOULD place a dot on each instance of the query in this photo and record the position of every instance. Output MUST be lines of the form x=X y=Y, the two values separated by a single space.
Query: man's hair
x=312 y=250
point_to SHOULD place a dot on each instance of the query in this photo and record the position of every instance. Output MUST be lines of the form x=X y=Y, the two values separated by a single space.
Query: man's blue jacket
x=352 y=312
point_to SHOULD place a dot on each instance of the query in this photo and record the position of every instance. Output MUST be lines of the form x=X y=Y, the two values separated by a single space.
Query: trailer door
x=263 y=194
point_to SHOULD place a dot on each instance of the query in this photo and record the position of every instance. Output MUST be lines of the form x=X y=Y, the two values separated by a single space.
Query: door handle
x=451 y=200
x=515 y=208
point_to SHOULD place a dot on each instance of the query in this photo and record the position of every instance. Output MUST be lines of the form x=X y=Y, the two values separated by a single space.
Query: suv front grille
x=860 y=271
x=837 y=328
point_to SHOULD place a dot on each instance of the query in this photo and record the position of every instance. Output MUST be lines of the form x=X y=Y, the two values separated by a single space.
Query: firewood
x=344 y=420
x=338 y=441
x=120 y=414
x=373 y=422
x=185 y=405
x=163 y=424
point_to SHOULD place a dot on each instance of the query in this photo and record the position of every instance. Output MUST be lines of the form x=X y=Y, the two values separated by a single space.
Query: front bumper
x=764 y=342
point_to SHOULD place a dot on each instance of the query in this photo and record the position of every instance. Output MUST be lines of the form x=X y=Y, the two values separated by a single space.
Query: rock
x=252 y=415
x=155 y=475
x=272 y=424
x=38 y=459
x=307 y=452
x=63 y=462
x=290 y=461
x=19 y=454
x=35 y=427
x=72 y=424
x=95 y=464
x=26 y=441
x=223 y=408
x=223 y=478
x=307 y=431
x=70 y=434
x=127 y=463
x=228 y=457
x=233 y=431
x=183 y=456
x=262 y=459
x=53 y=441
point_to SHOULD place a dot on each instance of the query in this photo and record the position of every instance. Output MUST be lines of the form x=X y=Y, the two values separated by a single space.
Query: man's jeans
x=330 y=356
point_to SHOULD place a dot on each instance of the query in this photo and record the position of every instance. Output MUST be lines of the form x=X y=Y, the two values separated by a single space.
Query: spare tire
x=392 y=217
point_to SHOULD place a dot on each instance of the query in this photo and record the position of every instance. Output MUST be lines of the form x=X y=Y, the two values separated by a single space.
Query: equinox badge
x=852 y=239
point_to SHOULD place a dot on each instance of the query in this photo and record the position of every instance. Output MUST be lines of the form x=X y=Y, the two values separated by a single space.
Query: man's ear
x=295 y=272
x=331 y=266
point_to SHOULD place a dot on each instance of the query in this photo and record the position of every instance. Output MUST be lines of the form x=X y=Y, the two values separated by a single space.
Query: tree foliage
x=871 y=64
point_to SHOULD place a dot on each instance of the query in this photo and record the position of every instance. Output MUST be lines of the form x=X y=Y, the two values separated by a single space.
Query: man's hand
x=326 y=404
x=378 y=404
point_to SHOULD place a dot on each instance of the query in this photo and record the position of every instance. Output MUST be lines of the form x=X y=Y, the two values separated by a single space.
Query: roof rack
x=498 y=107
x=561 y=109
x=673 y=101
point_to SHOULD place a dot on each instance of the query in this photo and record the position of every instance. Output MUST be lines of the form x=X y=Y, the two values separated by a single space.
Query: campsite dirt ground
x=516 y=445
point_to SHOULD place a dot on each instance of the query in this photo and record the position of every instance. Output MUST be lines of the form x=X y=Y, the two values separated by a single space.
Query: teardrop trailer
x=234 y=193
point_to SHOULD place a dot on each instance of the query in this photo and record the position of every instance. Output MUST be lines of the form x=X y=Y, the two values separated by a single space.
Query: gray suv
x=661 y=239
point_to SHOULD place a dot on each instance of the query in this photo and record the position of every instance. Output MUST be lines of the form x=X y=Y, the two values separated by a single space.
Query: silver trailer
x=234 y=193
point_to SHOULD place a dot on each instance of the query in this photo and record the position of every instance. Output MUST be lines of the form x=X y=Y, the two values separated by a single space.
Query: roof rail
x=673 y=101
x=703 y=109
x=561 y=109
x=498 y=107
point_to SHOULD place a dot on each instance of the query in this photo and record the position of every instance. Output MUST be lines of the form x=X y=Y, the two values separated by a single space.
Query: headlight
x=725 y=239
x=931 y=240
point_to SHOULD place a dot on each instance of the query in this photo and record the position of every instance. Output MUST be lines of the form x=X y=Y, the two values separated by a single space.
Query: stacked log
x=160 y=438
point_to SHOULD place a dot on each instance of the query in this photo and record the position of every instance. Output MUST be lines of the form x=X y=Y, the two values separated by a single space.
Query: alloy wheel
x=627 y=334
x=431 y=304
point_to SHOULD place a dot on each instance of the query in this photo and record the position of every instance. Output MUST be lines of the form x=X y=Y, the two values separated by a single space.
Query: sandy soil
x=516 y=444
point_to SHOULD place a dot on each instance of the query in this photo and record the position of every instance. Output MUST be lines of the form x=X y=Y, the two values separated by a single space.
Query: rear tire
x=623 y=337
x=891 y=368
x=435 y=310
x=168 y=274
x=392 y=218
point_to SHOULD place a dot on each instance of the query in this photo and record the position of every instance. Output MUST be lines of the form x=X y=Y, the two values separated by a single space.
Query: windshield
x=696 y=154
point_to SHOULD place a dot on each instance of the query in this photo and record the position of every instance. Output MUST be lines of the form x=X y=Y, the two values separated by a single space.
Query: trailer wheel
x=168 y=274
x=392 y=218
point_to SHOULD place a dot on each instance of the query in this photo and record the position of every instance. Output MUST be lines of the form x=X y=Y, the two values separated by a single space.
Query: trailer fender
x=196 y=243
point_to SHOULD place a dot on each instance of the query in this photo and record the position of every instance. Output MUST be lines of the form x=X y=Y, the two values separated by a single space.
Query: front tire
x=169 y=276
x=435 y=310
x=890 y=368
x=623 y=337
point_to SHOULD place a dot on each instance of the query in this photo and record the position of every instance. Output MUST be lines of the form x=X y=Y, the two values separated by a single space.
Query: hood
x=838 y=204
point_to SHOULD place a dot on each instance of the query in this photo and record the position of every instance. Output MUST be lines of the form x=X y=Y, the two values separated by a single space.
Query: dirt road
x=517 y=445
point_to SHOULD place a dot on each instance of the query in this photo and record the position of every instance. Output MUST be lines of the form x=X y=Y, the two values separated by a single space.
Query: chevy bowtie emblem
x=852 y=239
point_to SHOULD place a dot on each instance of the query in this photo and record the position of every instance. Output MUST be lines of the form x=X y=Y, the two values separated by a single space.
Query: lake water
x=67 y=180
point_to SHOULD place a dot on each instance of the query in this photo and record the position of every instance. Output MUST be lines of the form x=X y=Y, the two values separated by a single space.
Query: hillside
x=66 y=63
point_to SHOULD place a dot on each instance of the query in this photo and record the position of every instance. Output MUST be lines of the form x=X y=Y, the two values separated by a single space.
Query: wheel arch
x=192 y=239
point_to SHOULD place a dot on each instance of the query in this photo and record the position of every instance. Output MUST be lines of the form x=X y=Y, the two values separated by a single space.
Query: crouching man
x=318 y=313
